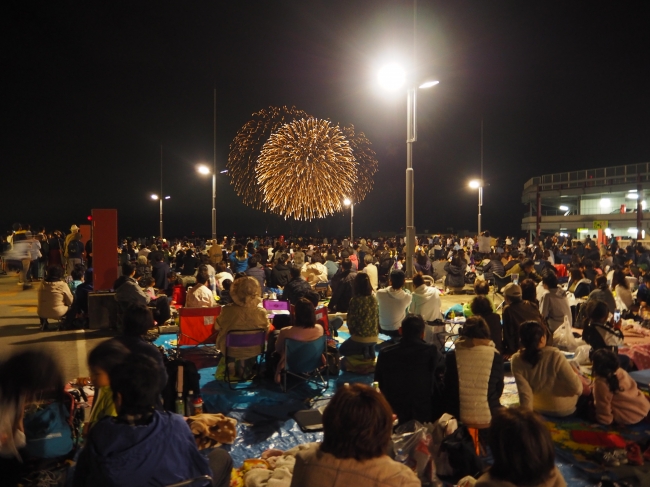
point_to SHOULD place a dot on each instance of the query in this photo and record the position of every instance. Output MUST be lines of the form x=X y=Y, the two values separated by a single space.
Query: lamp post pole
x=411 y=137
x=480 y=204
x=161 y=218
x=214 y=172
x=161 y=192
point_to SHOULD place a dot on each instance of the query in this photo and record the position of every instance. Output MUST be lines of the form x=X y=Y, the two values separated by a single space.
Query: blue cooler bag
x=48 y=432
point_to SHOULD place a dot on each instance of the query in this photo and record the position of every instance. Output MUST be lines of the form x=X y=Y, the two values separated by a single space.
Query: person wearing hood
x=144 y=446
x=554 y=303
x=423 y=264
x=280 y=274
x=244 y=313
x=256 y=270
x=455 y=270
x=474 y=376
x=393 y=303
x=342 y=288
x=425 y=301
x=54 y=297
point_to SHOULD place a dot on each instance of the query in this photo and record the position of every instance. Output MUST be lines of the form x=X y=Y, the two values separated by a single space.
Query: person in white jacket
x=554 y=303
x=371 y=269
x=425 y=301
x=393 y=303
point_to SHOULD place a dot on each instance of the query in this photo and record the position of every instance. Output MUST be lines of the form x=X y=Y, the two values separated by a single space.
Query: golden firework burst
x=306 y=169
x=246 y=146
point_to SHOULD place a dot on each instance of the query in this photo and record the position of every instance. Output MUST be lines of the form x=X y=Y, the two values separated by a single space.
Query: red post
x=539 y=213
x=639 y=208
x=104 y=249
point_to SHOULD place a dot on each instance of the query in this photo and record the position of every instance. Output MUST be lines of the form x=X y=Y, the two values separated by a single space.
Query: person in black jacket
x=342 y=287
x=409 y=374
x=296 y=288
x=280 y=274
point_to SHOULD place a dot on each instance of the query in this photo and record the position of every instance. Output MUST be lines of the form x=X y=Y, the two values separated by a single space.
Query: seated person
x=425 y=300
x=77 y=276
x=526 y=270
x=546 y=381
x=101 y=361
x=362 y=320
x=516 y=312
x=80 y=304
x=474 y=376
x=342 y=287
x=143 y=446
x=200 y=295
x=147 y=283
x=296 y=288
x=393 y=302
x=407 y=373
x=481 y=288
x=357 y=428
x=129 y=292
x=601 y=333
x=523 y=452
x=138 y=320
x=304 y=329
x=481 y=306
x=224 y=295
x=616 y=396
x=554 y=303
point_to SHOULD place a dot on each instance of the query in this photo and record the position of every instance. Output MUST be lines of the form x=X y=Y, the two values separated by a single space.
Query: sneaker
x=609 y=459
x=634 y=456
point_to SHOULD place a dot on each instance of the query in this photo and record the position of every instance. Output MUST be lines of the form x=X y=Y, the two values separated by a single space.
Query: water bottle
x=188 y=403
x=180 y=404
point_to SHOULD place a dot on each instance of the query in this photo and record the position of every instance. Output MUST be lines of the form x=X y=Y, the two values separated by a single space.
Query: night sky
x=92 y=90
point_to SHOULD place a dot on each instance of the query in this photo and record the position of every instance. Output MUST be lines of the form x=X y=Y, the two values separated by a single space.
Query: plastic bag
x=582 y=354
x=563 y=337
x=411 y=445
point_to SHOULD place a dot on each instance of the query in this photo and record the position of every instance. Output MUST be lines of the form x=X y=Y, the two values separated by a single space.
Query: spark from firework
x=306 y=169
x=367 y=164
x=245 y=150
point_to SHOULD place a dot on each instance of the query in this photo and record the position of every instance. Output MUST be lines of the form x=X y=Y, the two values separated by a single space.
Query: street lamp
x=156 y=197
x=348 y=202
x=478 y=184
x=392 y=77
x=205 y=170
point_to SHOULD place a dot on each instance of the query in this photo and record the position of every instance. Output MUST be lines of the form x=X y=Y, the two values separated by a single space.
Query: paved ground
x=19 y=328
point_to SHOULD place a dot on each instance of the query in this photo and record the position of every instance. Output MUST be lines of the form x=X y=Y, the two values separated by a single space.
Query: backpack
x=74 y=250
x=190 y=379
x=49 y=431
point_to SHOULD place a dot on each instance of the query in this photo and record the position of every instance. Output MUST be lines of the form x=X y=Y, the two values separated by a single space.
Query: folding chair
x=323 y=320
x=306 y=360
x=242 y=346
x=196 y=327
x=499 y=283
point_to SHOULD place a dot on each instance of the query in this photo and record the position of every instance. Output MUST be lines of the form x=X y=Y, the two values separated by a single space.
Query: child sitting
x=77 y=275
x=616 y=396
x=147 y=283
x=225 y=298
x=102 y=359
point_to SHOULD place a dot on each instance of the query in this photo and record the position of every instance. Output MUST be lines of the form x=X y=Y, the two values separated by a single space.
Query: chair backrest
x=196 y=324
x=323 y=319
x=245 y=344
x=501 y=281
x=304 y=357
x=275 y=305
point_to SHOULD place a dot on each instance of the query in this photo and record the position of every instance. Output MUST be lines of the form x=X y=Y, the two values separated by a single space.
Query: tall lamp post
x=392 y=77
x=350 y=203
x=478 y=184
x=205 y=170
x=160 y=198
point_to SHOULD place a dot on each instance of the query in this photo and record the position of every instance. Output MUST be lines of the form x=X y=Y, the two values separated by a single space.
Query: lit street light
x=478 y=184
x=205 y=170
x=348 y=202
x=392 y=77
x=156 y=197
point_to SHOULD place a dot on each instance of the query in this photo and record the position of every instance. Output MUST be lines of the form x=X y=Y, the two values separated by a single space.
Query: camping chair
x=322 y=318
x=243 y=347
x=499 y=283
x=322 y=288
x=306 y=360
x=196 y=327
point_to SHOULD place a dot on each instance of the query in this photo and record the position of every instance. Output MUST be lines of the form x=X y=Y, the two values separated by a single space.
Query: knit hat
x=512 y=290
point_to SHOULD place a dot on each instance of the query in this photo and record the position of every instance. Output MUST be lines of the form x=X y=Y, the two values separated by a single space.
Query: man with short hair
x=142 y=445
x=393 y=302
x=296 y=288
x=128 y=292
x=406 y=373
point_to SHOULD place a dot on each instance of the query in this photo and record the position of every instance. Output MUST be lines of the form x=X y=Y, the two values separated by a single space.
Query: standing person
x=74 y=229
x=57 y=246
x=74 y=251
x=393 y=303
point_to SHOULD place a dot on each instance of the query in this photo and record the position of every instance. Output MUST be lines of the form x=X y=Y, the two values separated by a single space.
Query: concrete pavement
x=19 y=329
